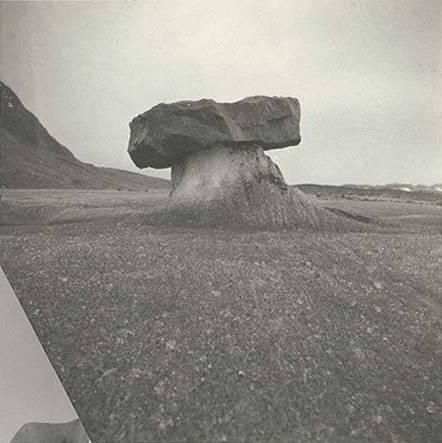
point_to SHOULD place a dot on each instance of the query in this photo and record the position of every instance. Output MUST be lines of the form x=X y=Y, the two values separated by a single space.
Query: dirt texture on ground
x=163 y=333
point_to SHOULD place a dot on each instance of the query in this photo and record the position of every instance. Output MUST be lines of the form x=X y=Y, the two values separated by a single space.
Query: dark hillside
x=31 y=158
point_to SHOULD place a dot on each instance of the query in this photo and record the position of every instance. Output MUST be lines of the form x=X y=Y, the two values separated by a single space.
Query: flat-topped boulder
x=220 y=172
x=162 y=136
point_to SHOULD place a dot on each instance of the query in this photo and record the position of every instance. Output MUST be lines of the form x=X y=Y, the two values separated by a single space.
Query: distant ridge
x=404 y=192
x=407 y=187
x=31 y=158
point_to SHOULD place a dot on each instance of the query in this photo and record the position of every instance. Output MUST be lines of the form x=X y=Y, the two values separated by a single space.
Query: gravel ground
x=209 y=335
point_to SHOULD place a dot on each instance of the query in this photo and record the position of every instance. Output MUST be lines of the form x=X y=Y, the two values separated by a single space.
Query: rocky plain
x=322 y=323
x=168 y=333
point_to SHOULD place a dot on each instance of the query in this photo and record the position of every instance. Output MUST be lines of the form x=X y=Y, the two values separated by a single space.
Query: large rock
x=220 y=173
x=70 y=432
x=162 y=136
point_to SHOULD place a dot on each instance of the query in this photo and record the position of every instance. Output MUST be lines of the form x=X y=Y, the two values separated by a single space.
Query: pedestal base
x=230 y=187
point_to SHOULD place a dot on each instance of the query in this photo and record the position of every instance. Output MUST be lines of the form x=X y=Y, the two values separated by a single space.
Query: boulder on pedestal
x=220 y=173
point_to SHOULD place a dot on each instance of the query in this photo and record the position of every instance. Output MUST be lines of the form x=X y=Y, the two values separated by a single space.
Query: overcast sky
x=367 y=73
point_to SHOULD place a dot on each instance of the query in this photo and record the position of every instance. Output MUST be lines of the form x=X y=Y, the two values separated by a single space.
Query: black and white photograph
x=221 y=221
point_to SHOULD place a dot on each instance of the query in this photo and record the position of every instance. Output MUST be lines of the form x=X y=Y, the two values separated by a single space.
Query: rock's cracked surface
x=162 y=136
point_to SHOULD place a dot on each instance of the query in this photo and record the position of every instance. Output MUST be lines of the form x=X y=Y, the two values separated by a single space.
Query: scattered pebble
x=170 y=345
